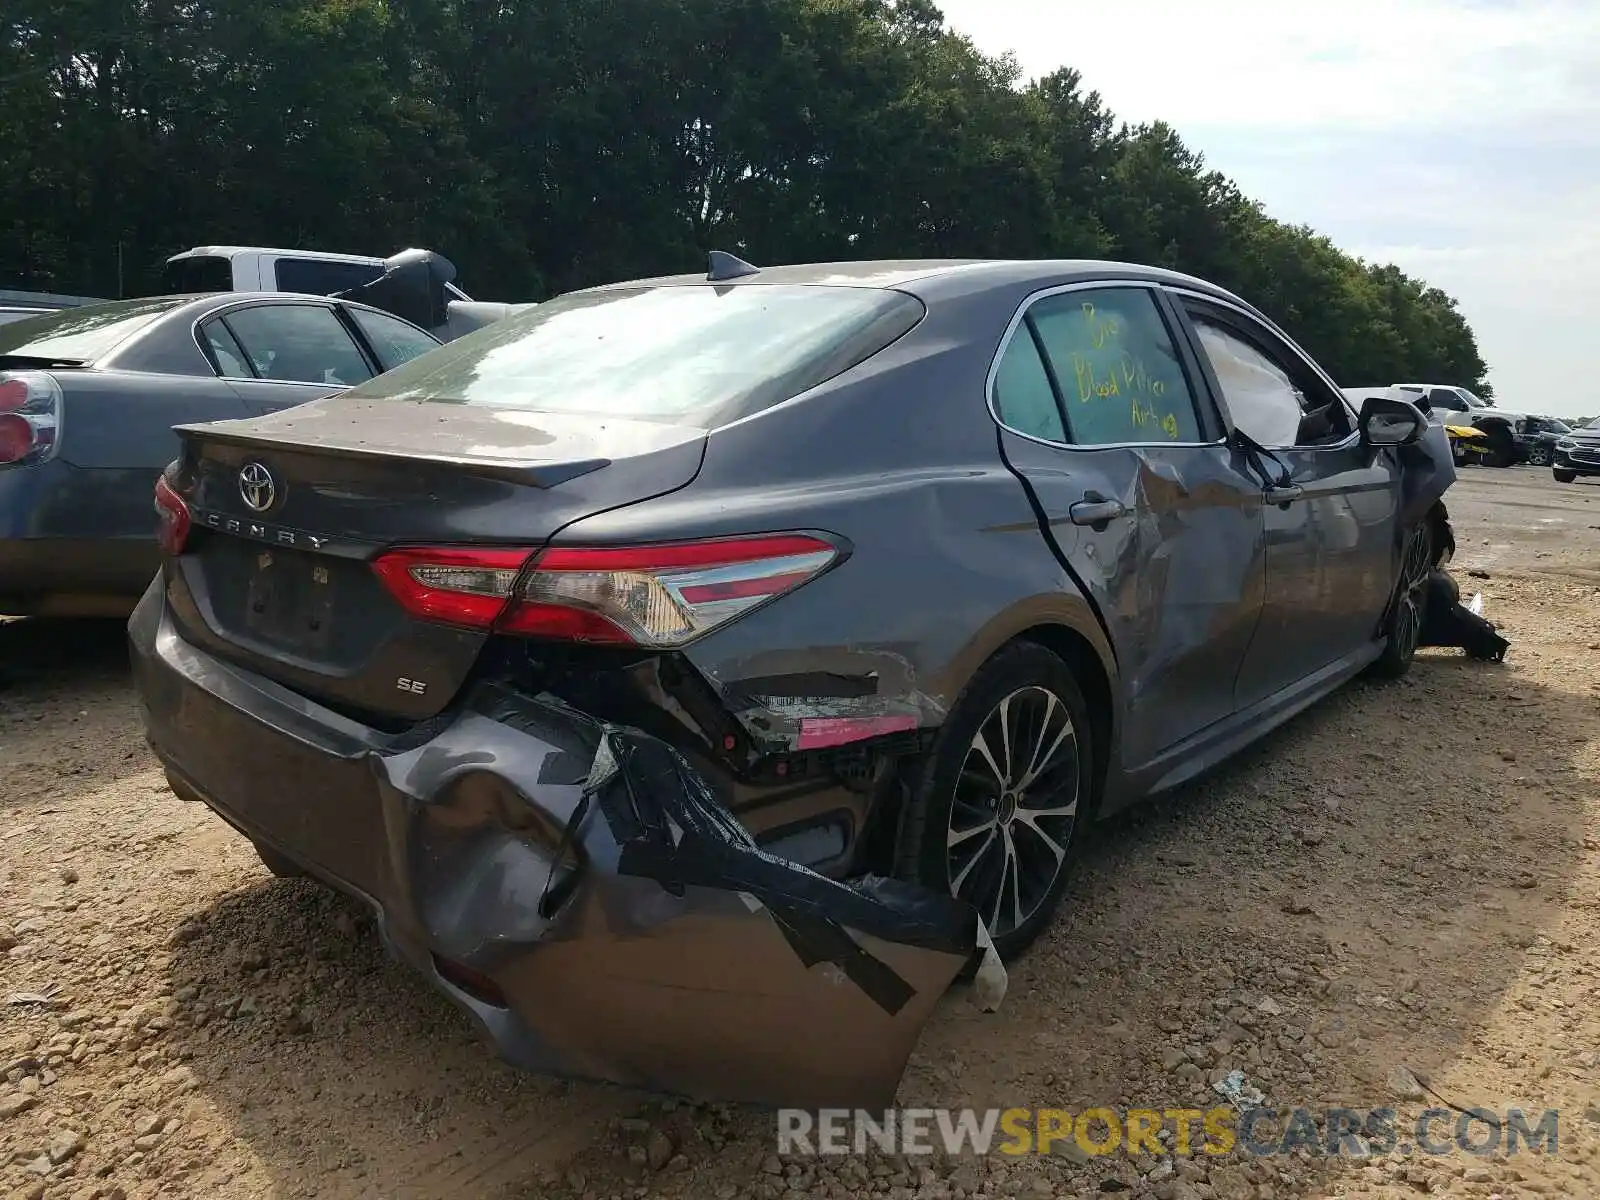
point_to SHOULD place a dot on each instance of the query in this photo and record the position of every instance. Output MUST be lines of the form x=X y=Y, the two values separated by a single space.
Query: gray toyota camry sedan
x=697 y=674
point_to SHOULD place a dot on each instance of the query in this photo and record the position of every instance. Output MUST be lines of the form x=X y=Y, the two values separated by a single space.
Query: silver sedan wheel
x=1015 y=804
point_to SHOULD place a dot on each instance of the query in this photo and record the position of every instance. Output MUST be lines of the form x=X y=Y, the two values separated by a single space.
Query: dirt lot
x=1406 y=877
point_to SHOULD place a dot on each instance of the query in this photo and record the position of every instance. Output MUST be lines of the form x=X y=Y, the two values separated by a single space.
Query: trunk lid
x=285 y=586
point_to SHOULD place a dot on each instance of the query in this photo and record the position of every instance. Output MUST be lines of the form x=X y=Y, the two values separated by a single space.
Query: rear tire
x=997 y=802
x=280 y=866
x=1408 y=607
x=1502 y=450
x=1563 y=476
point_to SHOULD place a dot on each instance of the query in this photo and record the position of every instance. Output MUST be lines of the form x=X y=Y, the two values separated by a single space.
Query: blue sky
x=1459 y=139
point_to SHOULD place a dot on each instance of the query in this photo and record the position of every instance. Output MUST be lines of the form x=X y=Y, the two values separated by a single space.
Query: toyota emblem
x=256 y=486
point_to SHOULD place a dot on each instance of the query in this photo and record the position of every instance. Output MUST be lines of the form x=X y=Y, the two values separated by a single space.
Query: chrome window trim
x=1028 y=302
x=287 y=382
x=1235 y=307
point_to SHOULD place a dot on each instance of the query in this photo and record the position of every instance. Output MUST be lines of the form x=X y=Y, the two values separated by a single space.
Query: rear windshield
x=686 y=354
x=83 y=334
x=200 y=273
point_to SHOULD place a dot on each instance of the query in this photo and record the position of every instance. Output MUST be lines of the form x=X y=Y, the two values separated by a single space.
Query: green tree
x=549 y=144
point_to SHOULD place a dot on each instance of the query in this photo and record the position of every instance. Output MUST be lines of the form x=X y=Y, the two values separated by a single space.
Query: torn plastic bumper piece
x=1447 y=621
x=575 y=887
x=655 y=945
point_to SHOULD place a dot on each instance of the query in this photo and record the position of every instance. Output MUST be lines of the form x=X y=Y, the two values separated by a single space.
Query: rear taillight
x=456 y=586
x=30 y=416
x=173 y=530
x=658 y=596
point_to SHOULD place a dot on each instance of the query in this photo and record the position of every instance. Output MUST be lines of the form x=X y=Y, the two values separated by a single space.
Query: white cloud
x=1284 y=64
x=1457 y=138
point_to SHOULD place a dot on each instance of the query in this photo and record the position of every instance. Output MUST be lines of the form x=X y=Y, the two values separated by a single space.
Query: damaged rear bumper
x=572 y=885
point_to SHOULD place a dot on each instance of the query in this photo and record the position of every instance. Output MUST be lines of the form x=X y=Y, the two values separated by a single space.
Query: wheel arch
x=1082 y=658
x=1069 y=627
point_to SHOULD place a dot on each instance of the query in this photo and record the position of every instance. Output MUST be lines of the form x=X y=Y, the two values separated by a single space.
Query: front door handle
x=1285 y=494
x=1096 y=510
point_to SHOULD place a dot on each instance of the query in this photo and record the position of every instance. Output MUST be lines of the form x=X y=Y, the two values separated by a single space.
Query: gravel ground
x=1389 y=901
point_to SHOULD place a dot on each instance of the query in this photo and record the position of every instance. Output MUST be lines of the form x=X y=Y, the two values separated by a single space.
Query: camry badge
x=256 y=486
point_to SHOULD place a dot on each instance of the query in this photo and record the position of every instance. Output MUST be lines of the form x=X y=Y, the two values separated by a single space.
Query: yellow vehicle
x=1466 y=442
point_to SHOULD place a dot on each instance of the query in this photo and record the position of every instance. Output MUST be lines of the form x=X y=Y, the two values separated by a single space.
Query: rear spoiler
x=527 y=472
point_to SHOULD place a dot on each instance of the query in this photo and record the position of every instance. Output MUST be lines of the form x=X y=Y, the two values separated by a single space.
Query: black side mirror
x=411 y=287
x=1386 y=421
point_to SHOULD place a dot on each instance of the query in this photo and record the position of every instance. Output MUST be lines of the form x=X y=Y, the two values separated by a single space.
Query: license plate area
x=291 y=598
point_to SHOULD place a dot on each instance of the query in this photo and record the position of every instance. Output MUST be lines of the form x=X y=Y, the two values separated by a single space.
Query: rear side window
x=1115 y=370
x=228 y=355
x=392 y=340
x=298 y=343
x=689 y=354
x=317 y=277
x=1024 y=399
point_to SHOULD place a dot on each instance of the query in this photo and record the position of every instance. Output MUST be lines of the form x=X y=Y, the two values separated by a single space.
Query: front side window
x=1116 y=372
x=1275 y=401
x=298 y=343
x=687 y=354
x=1445 y=398
x=394 y=341
x=1262 y=399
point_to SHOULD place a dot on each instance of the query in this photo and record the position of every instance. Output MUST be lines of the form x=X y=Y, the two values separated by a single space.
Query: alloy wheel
x=1539 y=456
x=1414 y=569
x=1015 y=804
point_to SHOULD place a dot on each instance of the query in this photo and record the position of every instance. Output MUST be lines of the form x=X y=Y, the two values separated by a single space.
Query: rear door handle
x=1096 y=511
x=1285 y=494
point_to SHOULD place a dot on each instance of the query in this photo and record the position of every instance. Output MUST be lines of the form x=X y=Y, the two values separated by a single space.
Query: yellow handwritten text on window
x=1101 y=329
x=1125 y=374
x=1144 y=415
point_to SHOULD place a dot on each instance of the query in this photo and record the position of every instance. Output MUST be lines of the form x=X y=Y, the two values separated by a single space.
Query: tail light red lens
x=30 y=415
x=657 y=596
x=175 y=520
x=14 y=394
x=456 y=586
x=16 y=438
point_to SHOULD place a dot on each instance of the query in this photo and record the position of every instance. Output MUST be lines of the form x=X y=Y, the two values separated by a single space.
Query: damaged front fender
x=605 y=917
x=1427 y=469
